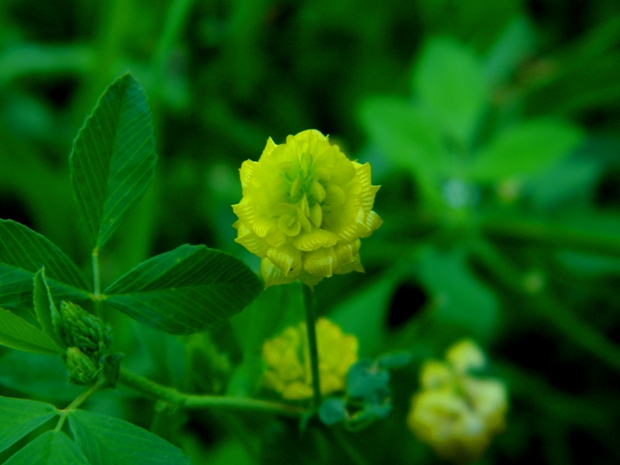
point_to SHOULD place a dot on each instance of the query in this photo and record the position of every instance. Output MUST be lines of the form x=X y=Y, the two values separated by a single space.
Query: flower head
x=305 y=207
x=287 y=360
x=456 y=413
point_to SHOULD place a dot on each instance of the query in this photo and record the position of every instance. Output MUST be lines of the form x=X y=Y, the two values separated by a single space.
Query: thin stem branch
x=555 y=235
x=312 y=345
x=78 y=402
x=191 y=401
x=175 y=20
x=96 y=281
x=546 y=307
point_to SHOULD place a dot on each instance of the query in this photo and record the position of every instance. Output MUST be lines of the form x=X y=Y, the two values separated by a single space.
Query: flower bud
x=456 y=413
x=81 y=368
x=78 y=328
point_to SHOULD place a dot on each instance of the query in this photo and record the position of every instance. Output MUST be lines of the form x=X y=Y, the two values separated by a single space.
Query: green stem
x=191 y=401
x=78 y=402
x=312 y=345
x=96 y=281
x=554 y=235
x=563 y=321
x=175 y=19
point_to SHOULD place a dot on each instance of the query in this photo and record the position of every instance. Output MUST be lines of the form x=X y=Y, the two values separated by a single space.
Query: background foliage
x=492 y=128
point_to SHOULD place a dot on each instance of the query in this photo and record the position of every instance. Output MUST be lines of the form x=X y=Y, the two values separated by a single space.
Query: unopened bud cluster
x=86 y=338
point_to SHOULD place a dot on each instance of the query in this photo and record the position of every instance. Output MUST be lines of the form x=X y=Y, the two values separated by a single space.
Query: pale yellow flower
x=304 y=208
x=456 y=413
x=287 y=360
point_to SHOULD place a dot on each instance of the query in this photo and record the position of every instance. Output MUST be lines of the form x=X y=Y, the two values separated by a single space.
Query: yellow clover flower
x=455 y=413
x=305 y=207
x=287 y=360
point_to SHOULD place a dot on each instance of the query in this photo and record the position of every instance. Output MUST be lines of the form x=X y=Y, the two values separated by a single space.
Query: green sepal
x=112 y=368
x=333 y=410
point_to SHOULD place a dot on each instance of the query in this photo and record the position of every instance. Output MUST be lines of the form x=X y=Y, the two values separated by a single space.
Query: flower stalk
x=190 y=401
x=312 y=345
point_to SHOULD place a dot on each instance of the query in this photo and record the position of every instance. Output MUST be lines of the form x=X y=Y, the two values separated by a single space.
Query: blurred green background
x=493 y=128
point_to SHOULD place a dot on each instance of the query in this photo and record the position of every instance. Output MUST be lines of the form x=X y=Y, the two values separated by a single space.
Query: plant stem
x=312 y=345
x=555 y=235
x=78 y=402
x=96 y=281
x=563 y=321
x=191 y=401
x=175 y=20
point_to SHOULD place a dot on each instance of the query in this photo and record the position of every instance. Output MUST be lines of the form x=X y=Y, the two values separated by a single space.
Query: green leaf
x=461 y=300
x=333 y=411
x=406 y=135
x=51 y=448
x=20 y=417
x=364 y=314
x=513 y=45
x=23 y=253
x=44 y=306
x=110 y=441
x=113 y=159
x=186 y=290
x=17 y=333
x=450 y=82
x=525 y=149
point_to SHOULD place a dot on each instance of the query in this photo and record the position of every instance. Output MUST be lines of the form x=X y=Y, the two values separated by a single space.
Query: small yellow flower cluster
x=305 y=207
x=455 y=413
x=287 y=360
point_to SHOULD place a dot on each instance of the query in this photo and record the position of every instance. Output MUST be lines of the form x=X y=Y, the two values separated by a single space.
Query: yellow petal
x=362 y=174
x=465 y=355
x=320 y=262
x=373 y=221
x=248 y=215
x=367 y=196
x=309 y=280
x=334 y=195
x=313 y=240
x=435 y=375
x=316 y=215
x=317 y=191
x=355 y=229
x=261 y=225
x=295 y=187
x=287 y=259
x=246 y=172
x=268 y=148
x=256 y=245
x=297 y=391
x=289 y=225
x=346 y=252
x=354 y=265
x=272 y=274
x=276 y=238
